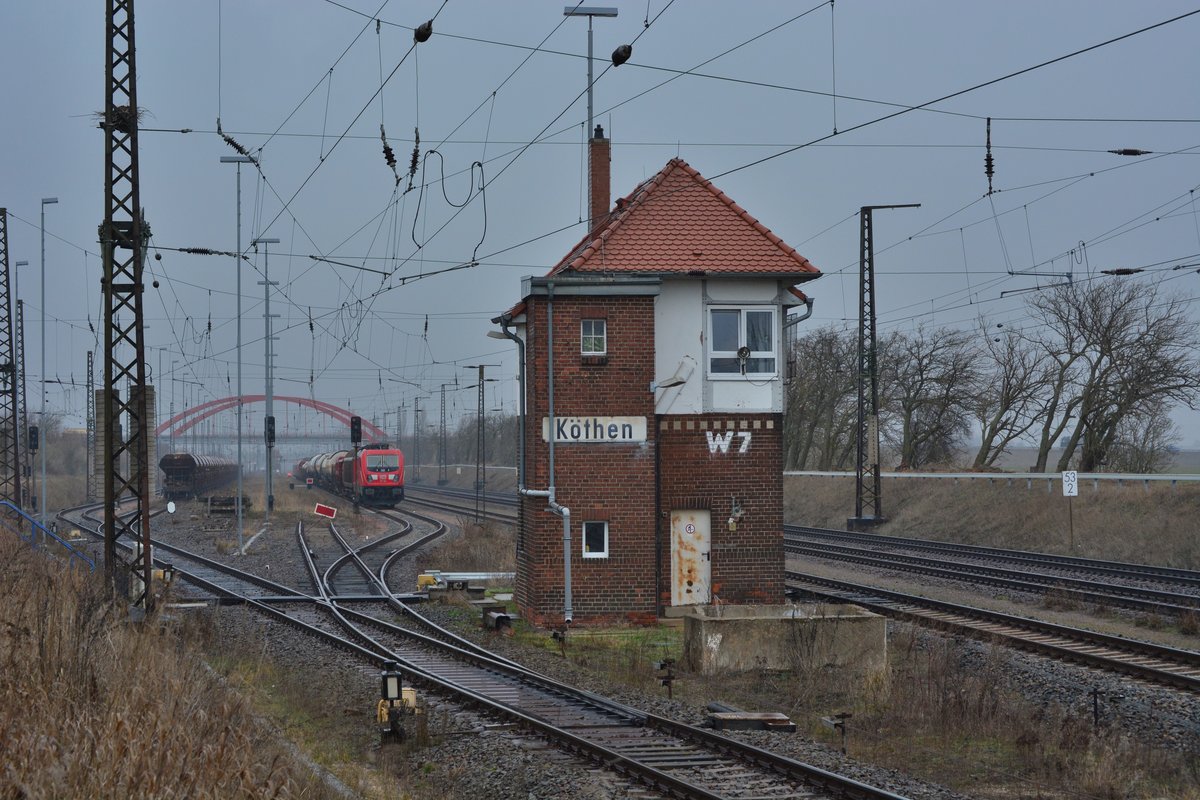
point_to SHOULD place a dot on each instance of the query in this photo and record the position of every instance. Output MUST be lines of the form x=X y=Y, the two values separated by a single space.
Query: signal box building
x=653 y=372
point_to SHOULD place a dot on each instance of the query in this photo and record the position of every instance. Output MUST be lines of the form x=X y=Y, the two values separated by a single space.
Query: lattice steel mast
x=122 y=240
x=868 y=490
x=10 y=432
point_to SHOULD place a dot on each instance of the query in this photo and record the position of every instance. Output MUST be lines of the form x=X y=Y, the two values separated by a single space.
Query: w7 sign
x=720 y=442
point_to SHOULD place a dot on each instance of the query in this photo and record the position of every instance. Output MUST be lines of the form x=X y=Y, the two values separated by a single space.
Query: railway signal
x=322 y=510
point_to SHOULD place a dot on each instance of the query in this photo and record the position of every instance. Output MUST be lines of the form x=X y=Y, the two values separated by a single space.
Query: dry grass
x=480 y=548
x=1123 y=523
x=935 y=712
x=92 y=705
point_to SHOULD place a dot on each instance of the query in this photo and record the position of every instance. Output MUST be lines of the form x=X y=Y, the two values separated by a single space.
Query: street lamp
x=46 y=201
x=172 y=412
x=237 y=266
x=269 y=418
x=589 y=12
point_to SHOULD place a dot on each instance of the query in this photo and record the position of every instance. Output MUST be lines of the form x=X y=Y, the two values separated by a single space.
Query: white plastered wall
x=680 y=314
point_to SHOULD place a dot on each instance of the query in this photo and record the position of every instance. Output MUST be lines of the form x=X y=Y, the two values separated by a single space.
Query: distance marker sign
x=323 y=510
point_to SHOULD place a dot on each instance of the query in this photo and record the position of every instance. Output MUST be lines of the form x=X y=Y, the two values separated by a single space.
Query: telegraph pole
x=268 y=360
x=416 y=440
x=480 y=447
x=442 y=479
x=90 y=482
x=868 y=490
x=123 y=236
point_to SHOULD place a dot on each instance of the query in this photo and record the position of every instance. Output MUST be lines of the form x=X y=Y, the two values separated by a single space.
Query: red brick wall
x=598 y=482
x=747 y=564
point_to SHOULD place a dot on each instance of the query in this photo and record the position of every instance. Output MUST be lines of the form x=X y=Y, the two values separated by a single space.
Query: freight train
x=374 y=478
x=190 y=475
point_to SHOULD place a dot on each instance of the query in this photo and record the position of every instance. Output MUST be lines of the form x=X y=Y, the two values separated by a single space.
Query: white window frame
x=773 y=353
x=583 y=336
x=583 y=542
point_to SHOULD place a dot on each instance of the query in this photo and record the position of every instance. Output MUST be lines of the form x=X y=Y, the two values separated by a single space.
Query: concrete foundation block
x=735 y=638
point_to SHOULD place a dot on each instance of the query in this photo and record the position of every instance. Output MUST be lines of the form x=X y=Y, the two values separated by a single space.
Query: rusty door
x=691 y=567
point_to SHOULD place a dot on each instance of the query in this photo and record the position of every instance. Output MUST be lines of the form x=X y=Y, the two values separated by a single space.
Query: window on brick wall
x=595 y=540
x=593 y=337
x=742 y=342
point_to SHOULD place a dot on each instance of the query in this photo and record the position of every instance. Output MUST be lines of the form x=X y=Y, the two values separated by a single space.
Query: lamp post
x=19 y=375
x=269 y=418
x=46 y=201
x=237 y=266
x=589 y=12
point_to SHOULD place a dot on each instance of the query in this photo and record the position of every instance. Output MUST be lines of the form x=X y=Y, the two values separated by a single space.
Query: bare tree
x=1013 y=375
x=820 y=416
x=1117 y=350
x=930 y=377
x=1143 y=442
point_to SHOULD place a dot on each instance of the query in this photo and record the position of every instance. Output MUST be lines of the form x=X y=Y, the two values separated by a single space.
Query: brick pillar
x=599 y=156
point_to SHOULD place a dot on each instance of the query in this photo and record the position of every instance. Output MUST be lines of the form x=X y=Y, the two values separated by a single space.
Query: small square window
x=595 y=540
x=593 y=337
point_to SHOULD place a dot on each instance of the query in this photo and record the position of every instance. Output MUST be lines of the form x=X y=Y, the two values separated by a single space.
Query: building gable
x=678 y=222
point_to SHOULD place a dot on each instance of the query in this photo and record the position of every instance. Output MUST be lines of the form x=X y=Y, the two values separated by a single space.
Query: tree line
x=1089 y=381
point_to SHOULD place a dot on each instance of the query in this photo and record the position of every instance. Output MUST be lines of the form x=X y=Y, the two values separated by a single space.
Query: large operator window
x=741 y=342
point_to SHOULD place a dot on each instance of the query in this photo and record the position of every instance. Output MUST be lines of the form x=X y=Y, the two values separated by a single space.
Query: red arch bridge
x=188 y=418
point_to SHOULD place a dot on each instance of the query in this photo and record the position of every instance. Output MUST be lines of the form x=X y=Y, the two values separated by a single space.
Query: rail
x=1120 y=478
x=72 y=553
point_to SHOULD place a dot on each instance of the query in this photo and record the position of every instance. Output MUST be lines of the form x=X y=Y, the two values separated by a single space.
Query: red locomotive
x=374 y=478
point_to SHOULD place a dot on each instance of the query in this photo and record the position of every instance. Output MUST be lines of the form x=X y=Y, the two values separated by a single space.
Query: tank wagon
x=189 y=475
x=375 y=478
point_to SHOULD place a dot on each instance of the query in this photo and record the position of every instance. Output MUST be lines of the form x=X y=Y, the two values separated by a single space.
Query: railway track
x=1181 y=579
x=1144 y=660
x=1099 y=593
x=669 y=757
x=1102 y=583
x=499 y=507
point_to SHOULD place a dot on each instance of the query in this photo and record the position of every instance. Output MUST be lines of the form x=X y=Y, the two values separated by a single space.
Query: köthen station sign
x=596 y=430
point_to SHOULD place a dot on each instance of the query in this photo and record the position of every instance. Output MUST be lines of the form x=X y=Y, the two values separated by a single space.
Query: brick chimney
x=599 y=156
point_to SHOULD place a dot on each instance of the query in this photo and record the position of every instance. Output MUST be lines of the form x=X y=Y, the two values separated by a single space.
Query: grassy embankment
x=1155 y=525
x=92 y=705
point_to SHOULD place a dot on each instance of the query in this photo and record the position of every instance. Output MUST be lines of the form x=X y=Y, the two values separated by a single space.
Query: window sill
x=749 y=376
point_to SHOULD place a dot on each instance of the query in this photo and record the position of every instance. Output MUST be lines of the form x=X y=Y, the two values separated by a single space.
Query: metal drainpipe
x=561 y=510
x=808 y=304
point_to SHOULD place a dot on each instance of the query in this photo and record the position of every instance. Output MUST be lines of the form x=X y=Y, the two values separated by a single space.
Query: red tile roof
x=678 y=222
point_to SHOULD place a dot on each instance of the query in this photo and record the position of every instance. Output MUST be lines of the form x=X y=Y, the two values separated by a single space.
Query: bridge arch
x=189 y=417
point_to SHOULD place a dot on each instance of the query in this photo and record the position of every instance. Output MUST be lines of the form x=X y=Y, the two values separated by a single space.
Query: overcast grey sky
x=301 y=80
